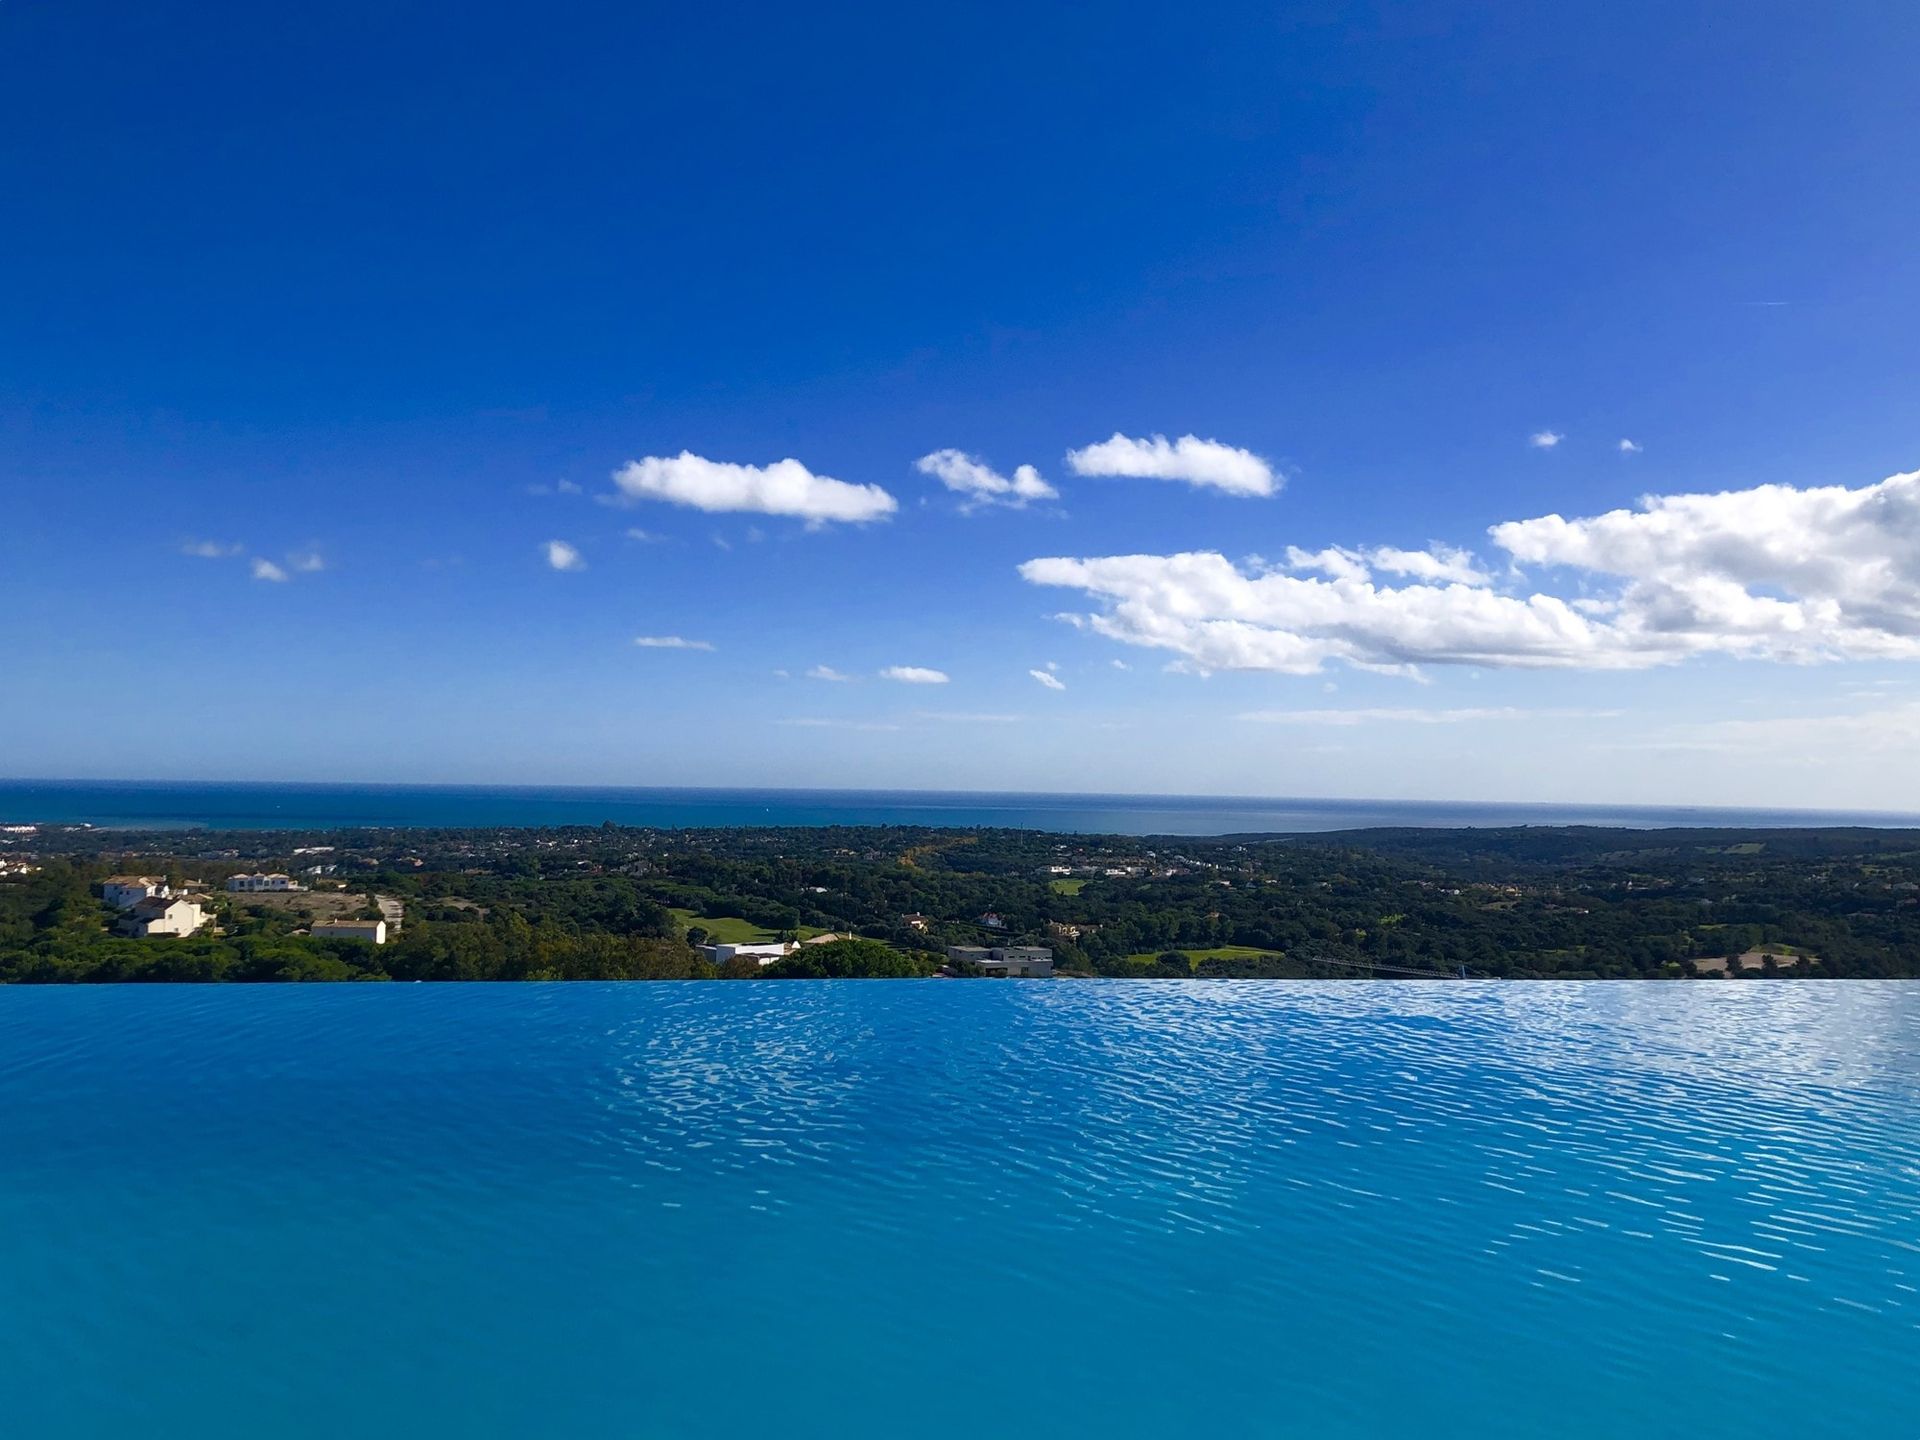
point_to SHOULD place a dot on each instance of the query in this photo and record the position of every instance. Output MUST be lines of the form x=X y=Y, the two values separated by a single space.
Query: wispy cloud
x=1048 y=679
x=670 y=642
x=1207 y=464
x=1438 y=564
x=1545 y=439
x=1415 y=716
x=963 y=717
x=307 y=562
x=1628 y=447
x=827 y=672
x=784 y=488
x=966 y=475
x=914 y=675
x=267 y=570
x=827 y=722
x=211 y=549
x=562 y=556
x=1889 y=729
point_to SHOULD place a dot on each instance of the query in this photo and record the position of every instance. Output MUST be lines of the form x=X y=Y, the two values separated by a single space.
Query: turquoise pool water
x=956 y=1209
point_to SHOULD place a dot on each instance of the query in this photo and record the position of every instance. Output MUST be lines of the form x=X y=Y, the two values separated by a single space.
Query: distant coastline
x=259 y=805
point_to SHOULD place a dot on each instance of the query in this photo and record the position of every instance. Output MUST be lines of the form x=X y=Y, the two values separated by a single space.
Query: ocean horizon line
x=319 y=805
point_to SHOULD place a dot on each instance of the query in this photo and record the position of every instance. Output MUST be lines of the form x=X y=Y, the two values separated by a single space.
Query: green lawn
x=1218 y=952
x=1068 y=887
x=733 y=930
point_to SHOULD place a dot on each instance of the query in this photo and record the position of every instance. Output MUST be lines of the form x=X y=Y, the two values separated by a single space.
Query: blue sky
x=319 y=328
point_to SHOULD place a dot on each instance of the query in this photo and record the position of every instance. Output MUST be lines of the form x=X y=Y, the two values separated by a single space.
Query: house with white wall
x=125 y=891
x=162 y=915
x=765 y=954
x=247 y=884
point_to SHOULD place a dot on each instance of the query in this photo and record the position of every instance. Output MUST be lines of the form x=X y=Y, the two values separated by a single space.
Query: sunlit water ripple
x=931 y=1209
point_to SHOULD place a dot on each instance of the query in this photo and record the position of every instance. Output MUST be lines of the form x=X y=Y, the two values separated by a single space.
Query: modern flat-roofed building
x=1023 y=960
x=373 y=930
x=123 y=892
x=247 y=884
x=765 y=954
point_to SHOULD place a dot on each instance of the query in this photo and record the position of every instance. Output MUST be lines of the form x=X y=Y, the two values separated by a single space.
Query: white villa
x=162 y=915
x=123 y=892
x=249 y=883
x=765 y=954
x=374 y=930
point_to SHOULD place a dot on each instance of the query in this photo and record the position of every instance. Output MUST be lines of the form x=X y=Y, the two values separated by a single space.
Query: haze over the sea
x=267 y=806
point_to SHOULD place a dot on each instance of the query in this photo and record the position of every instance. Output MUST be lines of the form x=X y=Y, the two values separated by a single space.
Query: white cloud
x=645 y=537
x=952 y=717
x=1121 y=665
x=1775 y=572
x=968 y=476
x=1801 y=739
x=210 y=549
x=670 y=642
x=1628 y=447
x=1416 y=716
x=785 y=487
x=827 y=672
x=914 y=675
x=1545 y=439
x=307 y=562
x=1190 y=459
x=1048 y=679
x=267 y=570
x=562 y=556
x=1440 y=564
x=826 y=722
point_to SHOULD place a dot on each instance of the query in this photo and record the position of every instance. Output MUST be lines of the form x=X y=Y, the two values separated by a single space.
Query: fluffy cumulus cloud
x=1545 y=439
x=670 y=642
x=785 y=487
x=914 y=675
x=1775 y=572
x=267 y=570
x=562 y=556
x=1205 y=463
x=968 y=476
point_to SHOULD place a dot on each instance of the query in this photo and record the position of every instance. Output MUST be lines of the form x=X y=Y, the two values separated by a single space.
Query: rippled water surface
x=933 y=1209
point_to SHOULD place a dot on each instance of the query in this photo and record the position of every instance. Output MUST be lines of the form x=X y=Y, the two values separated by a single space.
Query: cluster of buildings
x=150 y=907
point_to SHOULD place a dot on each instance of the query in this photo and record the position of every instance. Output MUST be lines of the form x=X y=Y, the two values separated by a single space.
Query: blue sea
x=945 y=1209
x=250 y=806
